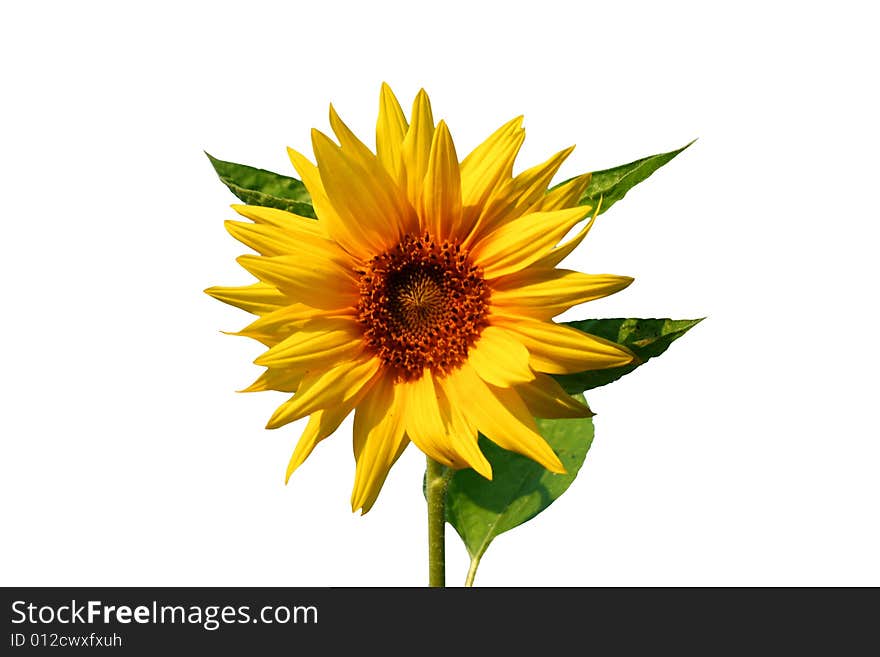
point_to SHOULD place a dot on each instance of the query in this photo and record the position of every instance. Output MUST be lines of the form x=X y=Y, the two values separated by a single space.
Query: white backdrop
x=745 y=455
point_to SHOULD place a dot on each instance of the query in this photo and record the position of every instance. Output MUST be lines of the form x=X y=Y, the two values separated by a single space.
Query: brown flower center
x=422 y=305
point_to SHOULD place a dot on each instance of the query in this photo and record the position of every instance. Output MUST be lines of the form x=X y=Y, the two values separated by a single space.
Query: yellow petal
x=391 y=128
x=562 y=251
x=519 y=243
x=338 y=230
x=546 y=398
x=276 y=379
x=273 y=327
x=306 y=278
x=440 y=207
x=355 y=149
x=338 y=386
x=398 y=217
x=318 y=344
x=543 y=293
x=320 y=425
x=515 y=197
x=557 y=349
x=362 y=194
x=295 y=235
x=282 y=220
x=462 y=433
x=499 y=358
x=257 y=299
x=417 y=146
x=379 y=440
x=532 y=183
x=491 y=163
x=566 y=195
x=501 y=415
x=424 y=424
x=265 y=240
x=298 y=236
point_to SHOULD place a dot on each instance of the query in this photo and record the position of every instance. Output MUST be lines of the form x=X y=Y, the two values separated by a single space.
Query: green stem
x=436 y=482
x=472 y=571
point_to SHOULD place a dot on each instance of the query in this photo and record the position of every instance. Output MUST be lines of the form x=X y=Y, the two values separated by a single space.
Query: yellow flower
x=422 y=297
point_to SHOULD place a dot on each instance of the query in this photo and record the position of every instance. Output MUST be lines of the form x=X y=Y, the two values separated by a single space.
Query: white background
x=746 y=455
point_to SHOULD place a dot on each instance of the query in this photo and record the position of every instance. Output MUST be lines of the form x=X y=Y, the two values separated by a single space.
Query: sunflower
x=422 y=297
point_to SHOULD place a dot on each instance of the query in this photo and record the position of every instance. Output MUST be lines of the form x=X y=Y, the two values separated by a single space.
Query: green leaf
x=480 y=509
x=261 y=187
x=646 y=337
x=613 y=184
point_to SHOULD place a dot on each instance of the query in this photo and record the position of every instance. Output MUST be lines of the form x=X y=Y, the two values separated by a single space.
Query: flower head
x=422 y=297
